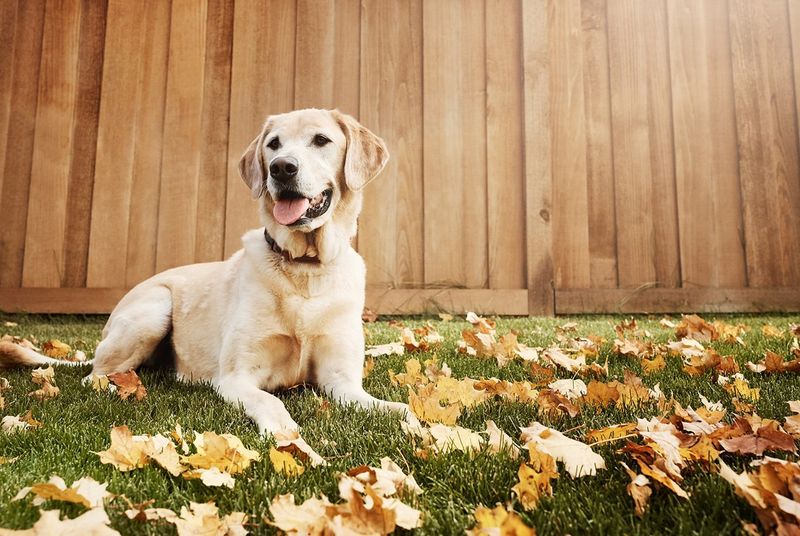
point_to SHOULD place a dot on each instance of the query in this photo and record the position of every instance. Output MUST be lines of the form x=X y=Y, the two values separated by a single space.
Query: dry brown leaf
x=499 y=521
x=639 y=489
x=769 y=437
x=534 y=478
x=412 y=377
x=774 y=363
x=792 y=423
x=128 y=384
x=291 y=441
x=650 y=366
x=615 y=432
x=552 y=404
x=369 y=366
x=694 y=327
x=56 y=349
x=768 y=330
x=45 y=377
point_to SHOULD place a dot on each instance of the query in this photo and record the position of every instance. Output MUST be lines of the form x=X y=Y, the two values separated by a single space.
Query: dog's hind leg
x=140 y=321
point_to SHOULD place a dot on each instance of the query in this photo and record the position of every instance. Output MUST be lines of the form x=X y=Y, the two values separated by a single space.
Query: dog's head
x=308 y=167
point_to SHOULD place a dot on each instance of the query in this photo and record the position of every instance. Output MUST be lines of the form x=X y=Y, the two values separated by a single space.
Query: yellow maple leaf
x=125 y=453
x=507 y=521
x=284 y=462
x=534 y=479
x=429 y=409
x=223 y=451
x=56 y=349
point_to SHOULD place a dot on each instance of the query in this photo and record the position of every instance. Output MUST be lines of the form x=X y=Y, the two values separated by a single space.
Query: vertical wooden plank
x=391 y=105
x=570 y=204
x=263 y=44
x=766 y=127
x=8 y=36
x=19 y=141
x=52 y=145
x=504 y=148
x=212 y=180
x=111 y=197
x=794 y=30
x=180 y=157
x=454 y=153
x=148 y=135
x=647 y=226
x=537 y=16
x=706 y=167
x=327 y=55
x=599 y=161
x=84 y=146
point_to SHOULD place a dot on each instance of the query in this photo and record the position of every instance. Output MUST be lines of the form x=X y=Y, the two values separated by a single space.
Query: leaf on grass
x=578 y=458
x=290 y=441
x=429 y=410
x=413 y=375
x=738 y=386
x=768 y=330
x=125 y=453
x=85 y=491
x=769 y=437
x=534 y=478
x=694 y=327
x=774 y=363
x=393 y=348
x=284 y=463
x=203 y=518
x=212 y=477
x=499 y=440
x=56 y=349
x=128 y=384
x=449 y=438
x=572 y=389
x=45 y=377
x=499 y=521
x=552 y=404
x=386 y=480
x=223 y=451
x=650 y=366
x=91 y=523
x=611 y=433
x=639 y=489
x=653 y=466
x=12 y=423
x=792 y=423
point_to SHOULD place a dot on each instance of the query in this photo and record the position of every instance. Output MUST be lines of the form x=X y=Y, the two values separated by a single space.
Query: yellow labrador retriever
x=285 y=309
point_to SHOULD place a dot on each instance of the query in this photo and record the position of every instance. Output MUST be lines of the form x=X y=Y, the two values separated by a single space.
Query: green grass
x=77 y=423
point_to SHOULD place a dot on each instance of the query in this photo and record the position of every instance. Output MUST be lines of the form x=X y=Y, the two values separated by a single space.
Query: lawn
x=76 y=424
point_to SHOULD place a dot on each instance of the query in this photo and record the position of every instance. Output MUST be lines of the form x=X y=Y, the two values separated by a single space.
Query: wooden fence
x=548 y=156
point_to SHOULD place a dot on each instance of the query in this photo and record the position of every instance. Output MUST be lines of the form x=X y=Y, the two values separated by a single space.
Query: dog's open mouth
x=293 y=209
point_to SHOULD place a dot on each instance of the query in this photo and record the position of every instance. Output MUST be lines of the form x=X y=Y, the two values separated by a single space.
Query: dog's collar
x=271 y=244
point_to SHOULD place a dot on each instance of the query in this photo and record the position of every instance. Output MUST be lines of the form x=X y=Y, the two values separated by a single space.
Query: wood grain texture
x=263 y=44
x=111 y=197
x=327 y=55
x=505 y=173
x=706 y=160
x=454 y=152
x=84 y=131
x=677 y=300
x=570 y=202
x=767 y=134
x=148 y=135
x=181 y=146
x=599 y=159
x=213 y=166
x=52 y=145
x=390 y=234
x=647 y=227
x=8 y=23
x=537 y=18
x=19 y=140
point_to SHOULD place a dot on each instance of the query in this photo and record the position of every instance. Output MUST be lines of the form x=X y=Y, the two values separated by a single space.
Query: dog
x=286 y=308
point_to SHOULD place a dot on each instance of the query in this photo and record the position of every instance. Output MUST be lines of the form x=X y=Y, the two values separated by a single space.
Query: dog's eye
x=274 y=144
x=320 y=140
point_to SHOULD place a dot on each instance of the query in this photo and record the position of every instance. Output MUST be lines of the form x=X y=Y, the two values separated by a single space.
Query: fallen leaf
x=767 y=437
x=91 y=523
x=499 y=440
x=284 y=463
x=392 y=348
x=611 y=433
x=45 y=377
x=85 y=491
x=125 y=453
x=572 y=389
x=290 y=441
x=223 y=451
x=498 y=521
x=56 y=349
x=768 y=330
x=694 y=327
x=792 y=423
x=639 y=489
x=650 y=366
x=211 y=477
x=578 y=458
x=534 y=478
x=128 y=384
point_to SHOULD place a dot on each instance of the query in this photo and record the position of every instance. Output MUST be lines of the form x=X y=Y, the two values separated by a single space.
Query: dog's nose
x=283 y=168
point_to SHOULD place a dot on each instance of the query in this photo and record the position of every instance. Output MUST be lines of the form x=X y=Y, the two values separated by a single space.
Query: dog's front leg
x=339 y=374
x=267 y=410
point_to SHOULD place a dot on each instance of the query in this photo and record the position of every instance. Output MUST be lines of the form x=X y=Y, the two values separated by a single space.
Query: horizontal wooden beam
x=60 y=300
x=448 y=300
x=677 y=300
x=382 y=301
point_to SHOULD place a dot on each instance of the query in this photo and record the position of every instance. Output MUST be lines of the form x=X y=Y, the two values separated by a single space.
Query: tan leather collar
x=285 y=254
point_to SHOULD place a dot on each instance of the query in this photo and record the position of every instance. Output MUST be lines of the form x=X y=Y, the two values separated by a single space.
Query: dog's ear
x=251 y=165
x=366 y=153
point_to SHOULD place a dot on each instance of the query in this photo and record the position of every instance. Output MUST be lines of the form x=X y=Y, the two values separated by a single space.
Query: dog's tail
x=14 y=355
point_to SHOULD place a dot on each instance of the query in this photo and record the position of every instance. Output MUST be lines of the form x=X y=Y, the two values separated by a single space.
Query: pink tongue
x=289 y=211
